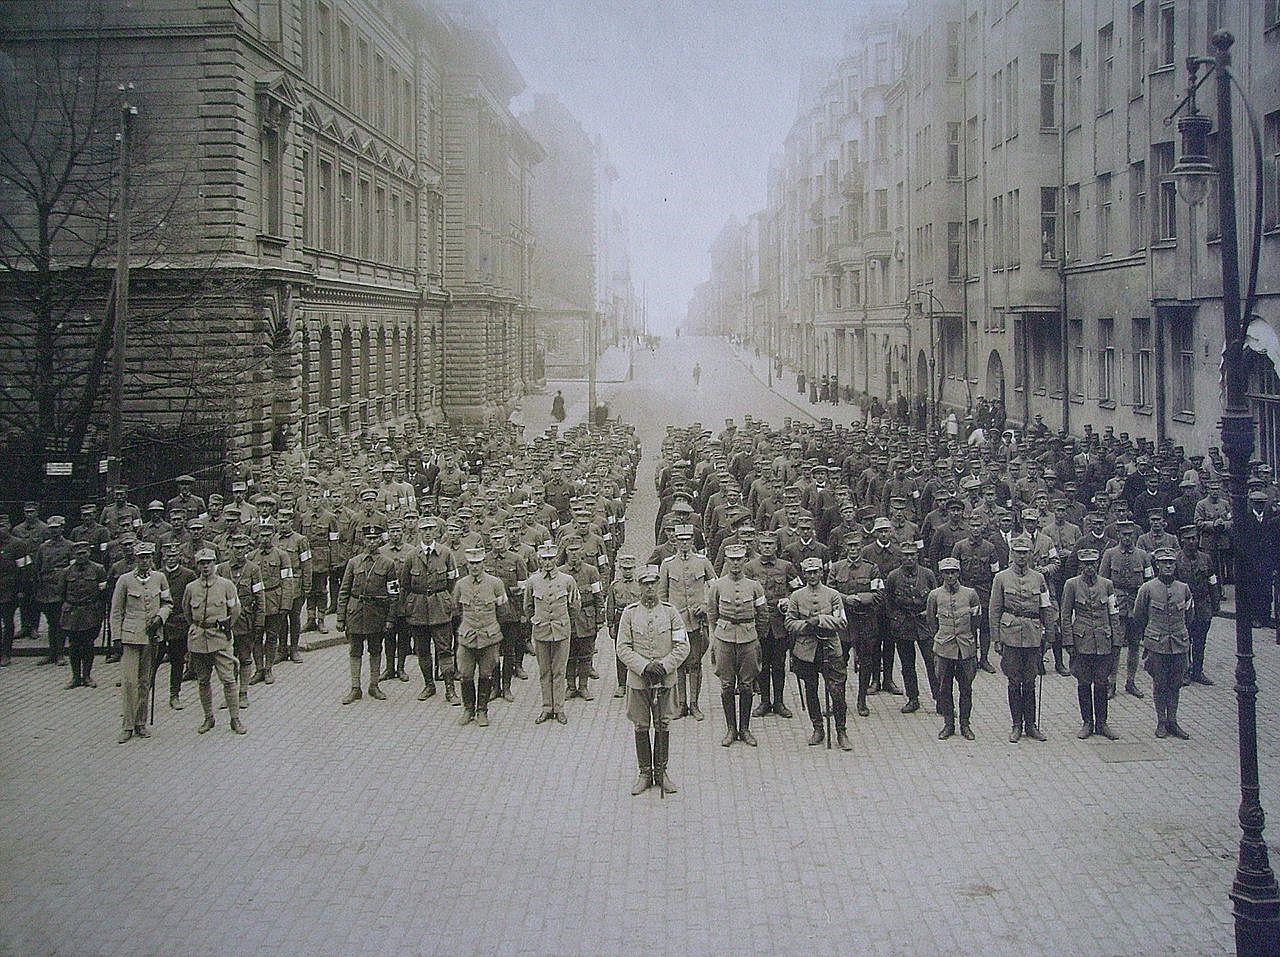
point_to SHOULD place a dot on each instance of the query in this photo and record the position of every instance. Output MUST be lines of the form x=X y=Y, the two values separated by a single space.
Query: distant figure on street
x=557 y=406
x=697 y=374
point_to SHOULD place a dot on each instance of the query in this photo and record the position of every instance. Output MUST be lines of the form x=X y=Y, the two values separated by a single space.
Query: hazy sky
x=691 y=97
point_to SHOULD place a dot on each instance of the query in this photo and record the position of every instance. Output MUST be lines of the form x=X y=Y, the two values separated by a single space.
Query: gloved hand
x=654 y=672
x=999 y=647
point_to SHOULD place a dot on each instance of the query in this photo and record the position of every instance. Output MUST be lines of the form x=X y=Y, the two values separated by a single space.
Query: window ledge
x=271 y=245
x=1163 y=68
x=1188 y=417
x=1143 y=410
x=1050 y=129
x=1049 y=264
x=1165 y=244
x=1107 y=403
x=1039 y=392
x=1077 y=400
x=1102 y=113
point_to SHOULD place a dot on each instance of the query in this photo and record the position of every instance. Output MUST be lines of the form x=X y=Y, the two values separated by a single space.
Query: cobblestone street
x=384 y=828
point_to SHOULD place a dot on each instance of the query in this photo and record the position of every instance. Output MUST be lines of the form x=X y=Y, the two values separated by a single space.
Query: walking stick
x=654 y=719
x=826 y=684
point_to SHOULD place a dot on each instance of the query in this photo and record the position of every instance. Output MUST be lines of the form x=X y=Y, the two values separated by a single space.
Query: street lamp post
x=935 y=384
x=1254 y=891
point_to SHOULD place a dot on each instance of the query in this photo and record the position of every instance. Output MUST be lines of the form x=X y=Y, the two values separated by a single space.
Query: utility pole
x=121 y=328
x=591 y=368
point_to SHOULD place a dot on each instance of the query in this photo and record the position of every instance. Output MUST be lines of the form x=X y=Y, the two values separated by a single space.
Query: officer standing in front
x=682 y=582
x=1092 y=630
x=366 y=603
x=550 y=600
x=477 y=596
x=734 y=603
x=140 y=605
x=952 y=613
x=1164 y=611
x=211 y=604
x=651 y=644
x=1018 y=615
x=83 y=605
x=815 y=618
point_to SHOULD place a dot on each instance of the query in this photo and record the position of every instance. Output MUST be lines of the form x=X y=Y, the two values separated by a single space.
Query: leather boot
x=763 y=687
x=682 y=701
x=1015 y=712
x=468 y=702
x=1058 y=664
x=400 y=672
x=233 y=706
x=817 y=737
x=695 y=690
x=1171 y=716
x=864 y=681
x=1162 y=726
x=728 y=701
x=661 y=750
x=744 y=719
x=644 y=758
x=1029 y=726
x=1084 y=694
x=375 y=663
x=354 y=694
x=450 y=696
x=1100 y=714
x=268 y=661
x=483 y=689
x=583 y=691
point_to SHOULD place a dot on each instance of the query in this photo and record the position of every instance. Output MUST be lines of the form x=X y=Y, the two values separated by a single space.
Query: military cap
x=1189 y=530
x=388 y=467
x=88 y=508
x=898 y=500
x=371 y=530
x=949 y=565
x=128 y=538
x=368 y=495
x=144 y=547
x=680 y=505
x=395 y=525
x=735 y=551
x=240 y=541
x=1187 y=482
x=198 y=523
x=231 y=509
x=1030 y=514
x=266 y=498
x=1125 y=524
x=1257 y=495
x=848 y=507
x=882 y=523
x=206 y=555
x=649 y=573
x=970 y=482
x=572 y=544
x=683 y=531
x=239 y=487
x=311 y=480
x=170 y=546
x=475 y=554
x=626 y=560
x=767 y=535
x=1165 y=555
x=79 y=546
x=428 y=521
x=908 y=548
x=1153 y=512
x=1020 y=543
x=811 y=564
x=1088 y=555
x=547 y=551
x=155 y=505
x=56 y=521
x=185 y=480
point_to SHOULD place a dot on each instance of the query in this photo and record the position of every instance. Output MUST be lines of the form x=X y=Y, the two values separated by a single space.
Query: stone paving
x=384 y=828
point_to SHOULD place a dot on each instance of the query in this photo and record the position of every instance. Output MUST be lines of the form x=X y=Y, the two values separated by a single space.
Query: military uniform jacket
x=1213 y=519
x=478 y=603
x=136 y=601
x=513 y=570
x=98 y=536
x=1090 y=621
x=84 y=597
x=211 y=607
x=949 y=616
x=296 y=579
x=320 y=529
x=50 y=559
x=1202 y=578
x=683 y=582
x=1127 y=571
x=812 y=601
x=249 y=587
x=1017 y=606
x=651 y=634
x=179 y=576
x=978 y=564
x=622 y=592
x=426 y=582
x=586 y=617
x=551 y=598
x=8 y=573
x=854 y=577
x=779 y=579
x=906 y=597
x=1164 y=611
x=117 y=518
x=272 y=566
x=369 y=594
x=734 y=607
x=885 y=559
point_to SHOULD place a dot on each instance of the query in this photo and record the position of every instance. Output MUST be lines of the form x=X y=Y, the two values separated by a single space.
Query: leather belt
x=740 y=621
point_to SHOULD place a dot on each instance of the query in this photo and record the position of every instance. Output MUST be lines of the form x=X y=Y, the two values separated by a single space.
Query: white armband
x=333 y=536
x=1111 y=605
x=1213 y=579
x=1045 y=600
x=595 y=588
x=760 y=601
x=257 y=587
x=1147 y=572
x=304 y=556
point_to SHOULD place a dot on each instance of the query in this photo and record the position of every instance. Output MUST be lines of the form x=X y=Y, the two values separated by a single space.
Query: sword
x=654 y=694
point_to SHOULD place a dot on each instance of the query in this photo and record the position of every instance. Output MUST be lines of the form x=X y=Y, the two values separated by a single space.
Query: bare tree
x=60 y=107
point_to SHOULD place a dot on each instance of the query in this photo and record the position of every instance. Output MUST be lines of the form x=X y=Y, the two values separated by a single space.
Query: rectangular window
x=882 y=210
x=1142 y=364
x=324 y=206
x=1048 y=91
x=393 y=103
x=307 y=39
x=1048 y=224
x=837 y=292
x=1011 y=99
x=1075 y=343
x=1183 y=366
x=953 y=151
x=408 y=244
x=928 y=251
x=1137 y=206
x=344 y=61
x=997 y=232
x=1019 y=352
x=997 y=107
x=379 y=224
x=366 y=217
x=1106 y=360
x=1104 y=215
x=308 y=197
x=270 y=182
x=379 y=92
x=953 y=51
x=1271 y=14
x=1166 y=192
x=324 y=46
x=1075 y=83
x=346 y=200
x=881 y=136
x=855 y=288
x=1271 y=169
x=362 y=76
x=407 y=99
x=1072 y=251
x=393 y=235
x=973 y=237
x=1166 y=48
x=1137 y=48
x=954 y=251
x=1014 y=213
x=1106 y=66
x=972 y=151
